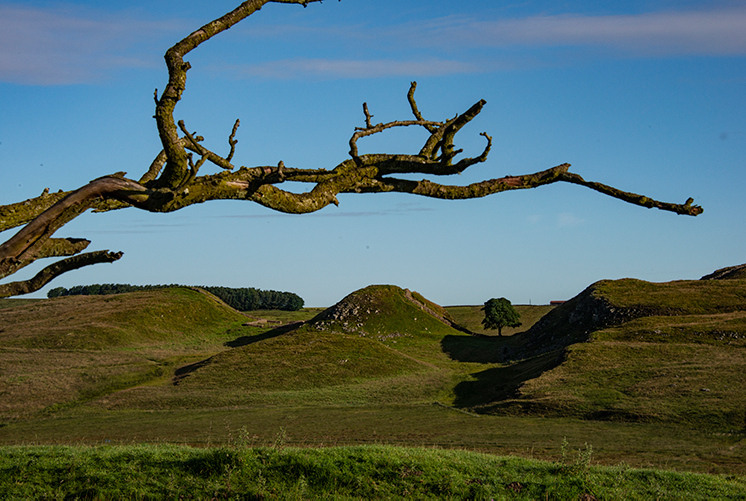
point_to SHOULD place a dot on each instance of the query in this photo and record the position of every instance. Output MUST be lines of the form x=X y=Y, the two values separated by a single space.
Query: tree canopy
x=499 y=313
x=173 y=180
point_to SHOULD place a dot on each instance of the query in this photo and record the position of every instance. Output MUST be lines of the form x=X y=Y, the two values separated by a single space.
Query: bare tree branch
x=56 y=269
x=173 y=182
x=32 y=242
x=176 y=168
x=52 y=247
x=16 y=214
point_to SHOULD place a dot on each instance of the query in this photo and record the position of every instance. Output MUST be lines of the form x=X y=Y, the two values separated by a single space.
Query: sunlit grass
x=179 y=367
x=380 y=472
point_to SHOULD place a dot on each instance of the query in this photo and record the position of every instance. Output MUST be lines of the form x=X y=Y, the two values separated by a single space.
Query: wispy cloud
x=712 y=32
x=66 y=46
x=462 y=45
x=568 y=219
x=353 y=68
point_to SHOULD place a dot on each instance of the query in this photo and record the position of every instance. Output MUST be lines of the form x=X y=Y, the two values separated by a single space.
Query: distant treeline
x=243 y=299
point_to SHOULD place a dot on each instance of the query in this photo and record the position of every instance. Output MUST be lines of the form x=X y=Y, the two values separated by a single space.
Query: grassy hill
x=624 y=365
x=630 y=350
x=178 y=316
x=379 y=345
x=65 y=351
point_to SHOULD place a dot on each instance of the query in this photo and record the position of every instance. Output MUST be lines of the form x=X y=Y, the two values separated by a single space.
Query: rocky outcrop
x=729 y=273
x=349 y=309
x=574 y=321
x=353 y=313
x=430 y=308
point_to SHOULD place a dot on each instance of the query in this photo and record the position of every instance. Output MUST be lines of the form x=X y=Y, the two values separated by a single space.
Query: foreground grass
x=640 y=445
x=159 y=472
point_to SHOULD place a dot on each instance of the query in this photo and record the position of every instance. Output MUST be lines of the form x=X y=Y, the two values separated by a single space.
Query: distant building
x=555 y=303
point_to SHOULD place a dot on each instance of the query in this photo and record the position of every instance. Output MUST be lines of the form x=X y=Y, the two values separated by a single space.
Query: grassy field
x=384 y=366
x=641 y=445
x=11 y=302
x=373 y=472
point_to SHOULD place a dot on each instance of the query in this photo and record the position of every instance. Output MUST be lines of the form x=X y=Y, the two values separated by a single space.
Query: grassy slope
x=60 y=352
x=373 y=373
x=13 y=302
x=389 y=354
x=684 y=367
x=166 y=318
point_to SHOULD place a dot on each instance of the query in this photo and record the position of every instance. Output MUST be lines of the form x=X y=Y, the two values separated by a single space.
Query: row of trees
x=243 y=299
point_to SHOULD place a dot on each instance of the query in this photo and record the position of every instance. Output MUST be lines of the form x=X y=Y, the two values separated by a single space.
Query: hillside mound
x=629 y=350
x=120 y=320
x=57 y=353
x=609 y=303
x=384 y=311
x=373 y=339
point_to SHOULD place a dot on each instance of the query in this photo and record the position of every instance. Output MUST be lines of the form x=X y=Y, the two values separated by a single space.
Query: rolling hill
x=380 y=344
x=621 y=351
x=61 y=352
x=629 y=350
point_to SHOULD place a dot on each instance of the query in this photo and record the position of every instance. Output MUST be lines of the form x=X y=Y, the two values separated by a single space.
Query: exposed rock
x=729 y=273
x=353 y=312
x=573 y=322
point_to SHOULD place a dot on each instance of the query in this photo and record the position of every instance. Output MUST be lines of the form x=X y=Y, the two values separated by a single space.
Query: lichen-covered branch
x=177 y=164
x=686 y=209
x=34 y=240
x=14 y=215
x=173 y=180
x=56 y=269
x=52 y=247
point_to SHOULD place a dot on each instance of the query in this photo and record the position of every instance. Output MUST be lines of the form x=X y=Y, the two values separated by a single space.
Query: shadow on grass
x=502 y=383
x=479 y=349
x=183 y=372
x=277 y=331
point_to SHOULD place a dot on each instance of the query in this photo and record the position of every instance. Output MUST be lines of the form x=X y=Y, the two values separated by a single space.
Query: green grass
x=285 y=317
x=693 y=297
x=383 y=472
x=300 y=360
x=471 y=317
x=699 y=385
x=67 y=351
x=178 y=366
x=685 y=364
x=723 y=329
x=657 y=445
x=168 y=317
x=12 y=302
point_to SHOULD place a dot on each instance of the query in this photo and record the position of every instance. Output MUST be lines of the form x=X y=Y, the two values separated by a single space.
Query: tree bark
x=172 y=181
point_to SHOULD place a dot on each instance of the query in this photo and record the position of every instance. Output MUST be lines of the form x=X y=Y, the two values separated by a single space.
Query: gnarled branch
x=56 y=269
x=173 y=181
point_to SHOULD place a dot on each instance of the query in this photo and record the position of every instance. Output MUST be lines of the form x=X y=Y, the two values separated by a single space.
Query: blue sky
x=646 y=96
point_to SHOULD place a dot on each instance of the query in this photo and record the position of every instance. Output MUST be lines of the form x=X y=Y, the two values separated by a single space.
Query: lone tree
x=499 y=313
x=173 y=180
